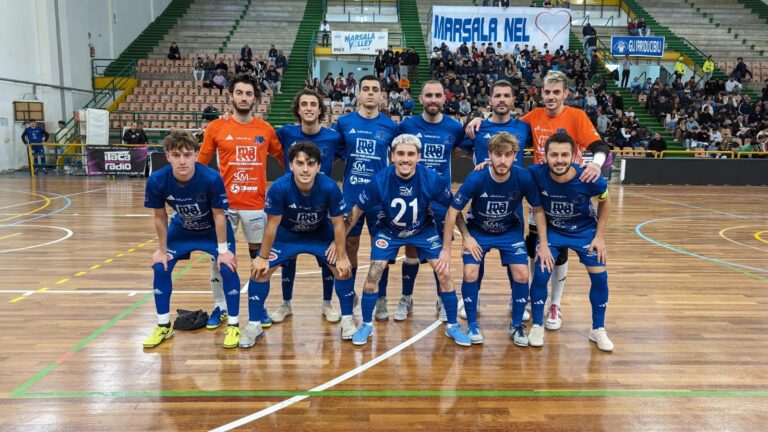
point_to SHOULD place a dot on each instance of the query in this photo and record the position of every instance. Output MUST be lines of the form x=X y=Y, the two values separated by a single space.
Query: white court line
x=66 y=236
x=331 y=383
x=695 y=207
x=52 y=198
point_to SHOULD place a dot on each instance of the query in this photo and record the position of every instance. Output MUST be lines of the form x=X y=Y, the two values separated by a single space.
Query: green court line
x=396 y=393
x=20 y=390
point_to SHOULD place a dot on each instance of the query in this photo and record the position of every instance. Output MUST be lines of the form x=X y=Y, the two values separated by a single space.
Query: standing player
x=197 y=194
x=553 y=118
x=34 y=135
x=305 y=214
x=308 y=110
x=402 y=193
x=440 y=136
x=496 y=192
x=574 y=223
x=242 y=143
x=367 y=134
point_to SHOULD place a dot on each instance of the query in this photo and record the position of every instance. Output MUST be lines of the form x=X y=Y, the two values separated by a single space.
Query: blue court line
x=44 y=215
x=639 y=232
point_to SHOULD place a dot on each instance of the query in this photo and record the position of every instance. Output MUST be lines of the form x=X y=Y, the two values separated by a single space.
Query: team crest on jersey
x=258 y=139
x=561 y=131
x=433 y=151
x=272 y=255
x=382 y=244
x=381 y=135
x=580 y=199
x=514 y=195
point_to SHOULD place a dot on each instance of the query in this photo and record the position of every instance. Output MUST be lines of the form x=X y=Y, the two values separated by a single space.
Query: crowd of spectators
x=267 y=68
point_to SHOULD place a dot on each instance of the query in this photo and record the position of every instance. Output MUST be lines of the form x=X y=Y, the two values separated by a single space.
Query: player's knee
x=471 y=274
x=520 y=273
x=410 y=252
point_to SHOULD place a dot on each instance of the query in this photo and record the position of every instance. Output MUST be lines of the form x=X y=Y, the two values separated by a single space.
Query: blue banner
x=637 y=46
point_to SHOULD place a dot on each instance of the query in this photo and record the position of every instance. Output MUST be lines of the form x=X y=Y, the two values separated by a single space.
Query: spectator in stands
x=657 y=144
x=732 y=86
x=246 y=54
x=272 y=53
x=631 y=27
x=404 y=83
x=222 y=67
x=210 y=112
x=761 y=141
x=708 y=67
x=325 y=33
x=680 y=68
x=588 y=33
x=379 y=66
x=198 y=74
x=642 y=28
x=626 y=64
x=218 y=81
x=351 y=82
x=134 y=135
x=670 y=121
x=504 y=4
x=173 y=52
x=272 y=79
x=464 y=106
x=740 y=72
x=328 y=87
x=395 y=107
x=547 y=3
x=210 y=68
x=349 y=100
x=243 y=67
x=281 y=62
x=408 y=104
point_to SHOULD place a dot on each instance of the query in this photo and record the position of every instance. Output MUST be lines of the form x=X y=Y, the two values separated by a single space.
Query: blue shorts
x=427 y=243
x=578 y=243
x=511 y=246
x=290 y=244
x=371 y=218
x=38 y=149
x=181 y=242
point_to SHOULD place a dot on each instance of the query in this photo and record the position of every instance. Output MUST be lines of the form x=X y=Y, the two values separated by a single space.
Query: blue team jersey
x=327 y=140
x=437 y=141
x=193 y=201
x=568 y=206
x=494 y=204
x=304 y=213
x=366 y=150
x=405 y=204
x=34 y=135
x=488 y=129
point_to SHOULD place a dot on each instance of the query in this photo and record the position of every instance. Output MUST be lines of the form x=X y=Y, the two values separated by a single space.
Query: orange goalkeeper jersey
x=572 y=121
x=242 y=151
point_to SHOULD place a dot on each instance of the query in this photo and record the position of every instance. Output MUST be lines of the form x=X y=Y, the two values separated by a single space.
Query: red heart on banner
x=555 y=19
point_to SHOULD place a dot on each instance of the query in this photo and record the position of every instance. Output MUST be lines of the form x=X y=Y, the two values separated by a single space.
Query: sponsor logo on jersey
x=562 y=208
x=365 y=146
x=236 y=188
x=241 y=175
x=433 y=151
x=272 y=255
x=497 y=207
x=382 y=244
x=258 y=139
x=229 y=138
x=406 y=191
x=170 y=198
x=246 y=153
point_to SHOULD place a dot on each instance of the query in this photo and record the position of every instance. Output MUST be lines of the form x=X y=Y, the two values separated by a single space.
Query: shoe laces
x=553 y=312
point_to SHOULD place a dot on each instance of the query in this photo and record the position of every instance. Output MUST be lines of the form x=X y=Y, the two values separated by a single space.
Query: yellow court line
x=61 y=281
x=78 y=274
x=47 y=203
x=95 y=266
x=9 y=236
x=140 y=245
x=120 y=254
x=758 y=235
x=43 y=289
x=108 y=260
x=131 y=250
x=17 y=299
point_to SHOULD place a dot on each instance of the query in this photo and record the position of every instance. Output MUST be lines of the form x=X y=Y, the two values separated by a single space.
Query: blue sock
x=231 y=290
x=451 y=304
x=598 y=296
x=327 y=283
x=367 y=305
x=520 y=298
x=539 y=293
x=469 y=294
x=288 y=270
x=480 y=273
x=257 y=295
x=409 y=277
x=163 y=287
x=345 y=291
x=383 y=282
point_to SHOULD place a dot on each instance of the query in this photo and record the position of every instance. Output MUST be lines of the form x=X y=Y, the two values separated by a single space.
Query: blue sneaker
x=473 y=330
x=454 y=332
x=266 y=321
x=217 y=317
x=362 y=334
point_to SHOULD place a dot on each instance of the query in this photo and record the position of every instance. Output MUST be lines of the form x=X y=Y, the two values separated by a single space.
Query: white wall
x=29 y=51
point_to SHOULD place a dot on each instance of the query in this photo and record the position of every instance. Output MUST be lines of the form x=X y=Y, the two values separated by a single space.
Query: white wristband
x=599 y=158
x=222 y=248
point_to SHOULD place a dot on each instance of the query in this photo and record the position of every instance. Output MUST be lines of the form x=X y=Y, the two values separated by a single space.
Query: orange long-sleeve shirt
x=572 y=121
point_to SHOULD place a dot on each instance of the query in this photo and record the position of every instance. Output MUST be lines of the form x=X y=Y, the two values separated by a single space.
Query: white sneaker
x=330 y=313
x=526 y=313
x=463 y=311
x=554 y=318
x=536 y=336
x=283 y=311
x=600 y=337
x=381 y=313
x=442 y=316
x=251 y=333
x=404 y=308
x=348 y=327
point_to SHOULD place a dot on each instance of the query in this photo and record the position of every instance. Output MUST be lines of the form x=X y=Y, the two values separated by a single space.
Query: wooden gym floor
x=688 y=273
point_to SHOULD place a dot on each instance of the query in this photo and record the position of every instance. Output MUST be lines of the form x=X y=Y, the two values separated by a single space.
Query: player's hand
x=544 y=257
x=598 y=245
x=330 y=254
x=160 y=257
x=472 y=127
x=443 y=265
x=344 y=266
x=228 y=259
x=481 y=165
x=259 y=266
x=591 y=172
x=470 y=245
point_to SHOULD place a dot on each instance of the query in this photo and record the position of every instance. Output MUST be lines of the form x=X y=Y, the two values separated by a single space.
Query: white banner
x=344 y=42
x=454 y=25
x=98 y=126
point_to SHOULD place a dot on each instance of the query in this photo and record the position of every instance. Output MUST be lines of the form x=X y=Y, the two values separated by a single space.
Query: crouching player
x=197 y=194
x=305 y=214
x=496 y=192
x=573 y=223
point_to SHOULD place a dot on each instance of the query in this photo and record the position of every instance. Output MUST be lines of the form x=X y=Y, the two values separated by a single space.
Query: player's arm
x=276 y=149
x=542 y=252
x=160 y=220
x=342 y=263
x=260 y=264
x=208 y=149
x=472 y=127
x=444 y=261
x=352 y=218
x=225 y=257
x=598 y=243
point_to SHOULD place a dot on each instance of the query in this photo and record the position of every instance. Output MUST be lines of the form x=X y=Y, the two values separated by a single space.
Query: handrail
x=636 y=152
x=738 y=155
x=697 y=153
